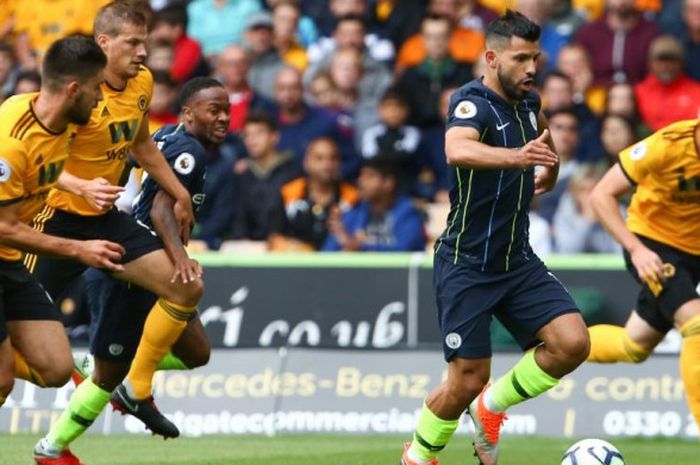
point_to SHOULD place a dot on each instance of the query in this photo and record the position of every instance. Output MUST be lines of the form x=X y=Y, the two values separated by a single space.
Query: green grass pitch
x=328 y=450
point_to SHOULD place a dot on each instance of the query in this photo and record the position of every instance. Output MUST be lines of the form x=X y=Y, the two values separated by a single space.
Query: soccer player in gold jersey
x=117 y=128
x=117 y=308
x=661 y=241
x=36 y=131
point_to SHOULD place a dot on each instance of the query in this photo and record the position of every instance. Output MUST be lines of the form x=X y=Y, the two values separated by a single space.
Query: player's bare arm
x=153 y=162
x=546 y=177
x=464 y=150
x=166 y=226
x=604 y=197
x=99 y=193
x=97 y=253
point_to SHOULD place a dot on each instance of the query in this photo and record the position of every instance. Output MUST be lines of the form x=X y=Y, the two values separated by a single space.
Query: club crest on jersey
x=5 y=170
x=143 y=103
x=184 y=163
x=453 y=340
x=638 y=151
x=198 y=199
x=465 y=109
x=533 y=120
x=116 y=349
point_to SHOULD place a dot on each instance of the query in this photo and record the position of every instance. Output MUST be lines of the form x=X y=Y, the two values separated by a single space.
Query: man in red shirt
x=667 y=94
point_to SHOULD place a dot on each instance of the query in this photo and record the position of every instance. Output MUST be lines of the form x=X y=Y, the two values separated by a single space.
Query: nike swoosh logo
x=133 y=407
x=501 y=126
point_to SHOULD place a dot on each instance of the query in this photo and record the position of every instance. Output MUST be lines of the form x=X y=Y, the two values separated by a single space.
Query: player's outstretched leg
x=690 y=364
x=190 y=351
x=165 y=323
x=524 y=381
x=439 y=416
x=610 y=344
x=86 y=403
x=430 y=438
x=565 y=346
x=41 y=352
x=631 y=344
x=163 y=327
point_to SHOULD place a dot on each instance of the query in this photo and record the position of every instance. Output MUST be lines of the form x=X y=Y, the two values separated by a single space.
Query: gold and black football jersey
x=101 y=147
x=31 y=159
x=666 y=170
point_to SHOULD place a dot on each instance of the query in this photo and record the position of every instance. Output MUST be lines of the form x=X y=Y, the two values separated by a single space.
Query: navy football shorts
x=118 y=311
x=524 y=300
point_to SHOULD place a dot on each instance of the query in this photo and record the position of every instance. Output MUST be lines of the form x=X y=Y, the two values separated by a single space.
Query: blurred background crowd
x=338 y=106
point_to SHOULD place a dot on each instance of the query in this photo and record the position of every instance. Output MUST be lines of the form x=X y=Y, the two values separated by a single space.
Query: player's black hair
x=75 y=57
x=511 y=24
x=259 y=117
x=111 y=18
x=175 y=15
x=193 y=86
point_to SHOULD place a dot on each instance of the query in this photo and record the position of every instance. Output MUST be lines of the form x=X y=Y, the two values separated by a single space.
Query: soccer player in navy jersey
x=497 y=145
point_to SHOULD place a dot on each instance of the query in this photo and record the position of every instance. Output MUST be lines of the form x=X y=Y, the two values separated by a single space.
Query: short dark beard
x=509 y=87
x=75 y=117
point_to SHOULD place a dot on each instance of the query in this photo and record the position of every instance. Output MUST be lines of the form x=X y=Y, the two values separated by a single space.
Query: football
x=592 y=452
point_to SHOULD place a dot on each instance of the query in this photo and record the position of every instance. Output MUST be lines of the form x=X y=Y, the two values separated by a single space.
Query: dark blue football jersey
x=487 y=227
x=187 y=157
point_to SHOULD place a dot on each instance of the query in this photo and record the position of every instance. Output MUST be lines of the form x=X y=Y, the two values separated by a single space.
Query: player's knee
x=187 y=295
x=467 y=385
x=196 y=291
x=575 y=348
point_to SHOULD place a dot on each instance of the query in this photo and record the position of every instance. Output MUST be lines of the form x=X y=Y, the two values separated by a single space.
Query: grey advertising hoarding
x=268 y=391
x=311 y=307
x=366 y=304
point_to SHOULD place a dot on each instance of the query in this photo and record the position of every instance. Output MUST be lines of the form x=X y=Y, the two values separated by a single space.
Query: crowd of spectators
x=338 y=106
